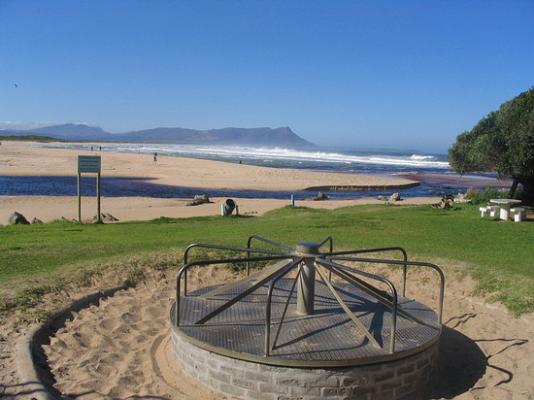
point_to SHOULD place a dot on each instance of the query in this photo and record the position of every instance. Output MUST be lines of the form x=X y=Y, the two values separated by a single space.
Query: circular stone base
x=399 y=379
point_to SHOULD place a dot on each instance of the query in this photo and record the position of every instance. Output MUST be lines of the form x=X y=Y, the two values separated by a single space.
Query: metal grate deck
x=327 y=338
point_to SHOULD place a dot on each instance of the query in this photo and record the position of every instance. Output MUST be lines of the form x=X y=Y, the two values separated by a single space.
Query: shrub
x=484 y=195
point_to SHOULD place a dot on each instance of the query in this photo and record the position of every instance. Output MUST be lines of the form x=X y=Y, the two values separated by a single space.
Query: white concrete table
x=505 y=205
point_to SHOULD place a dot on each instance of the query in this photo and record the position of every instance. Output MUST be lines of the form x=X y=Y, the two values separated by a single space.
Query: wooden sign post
x=90 y=165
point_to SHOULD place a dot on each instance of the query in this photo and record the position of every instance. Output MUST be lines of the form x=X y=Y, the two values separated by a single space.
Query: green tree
x=503 y=141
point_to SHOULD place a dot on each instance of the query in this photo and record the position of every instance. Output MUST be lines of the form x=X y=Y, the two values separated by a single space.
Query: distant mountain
x=266 y=137
x=72 y=131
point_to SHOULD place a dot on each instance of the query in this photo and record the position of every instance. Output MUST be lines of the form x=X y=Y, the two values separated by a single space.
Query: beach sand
x=48 y=208
x=120 y=348
x=26 y=158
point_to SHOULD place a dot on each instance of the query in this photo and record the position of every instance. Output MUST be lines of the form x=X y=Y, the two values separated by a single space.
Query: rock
x=462 y=198
x=36 y=221
x=395 y=197
x=107 y=217
x=446 y=202
x=17 y=219
x=94 y=220
x=320 y=196
x=199 y=199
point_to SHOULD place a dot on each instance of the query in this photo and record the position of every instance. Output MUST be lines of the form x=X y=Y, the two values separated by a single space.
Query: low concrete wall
x=394 y=380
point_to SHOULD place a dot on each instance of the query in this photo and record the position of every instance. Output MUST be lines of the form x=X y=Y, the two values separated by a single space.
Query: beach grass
x=498 y=254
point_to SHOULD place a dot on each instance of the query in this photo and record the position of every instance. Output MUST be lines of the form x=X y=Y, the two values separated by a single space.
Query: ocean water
x=431 y=170
x=342 y=161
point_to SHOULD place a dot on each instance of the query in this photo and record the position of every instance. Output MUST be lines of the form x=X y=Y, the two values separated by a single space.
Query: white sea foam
x=270 y=154
x=418 y=157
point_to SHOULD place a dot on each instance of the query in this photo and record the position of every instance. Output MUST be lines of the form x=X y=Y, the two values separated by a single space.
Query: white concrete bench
x=484 y=212
x=518 y=214
x=494 y=212
x=504 y=214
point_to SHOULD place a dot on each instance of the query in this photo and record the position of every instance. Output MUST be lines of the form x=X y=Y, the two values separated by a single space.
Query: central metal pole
x=306 y=287
x=306 y=282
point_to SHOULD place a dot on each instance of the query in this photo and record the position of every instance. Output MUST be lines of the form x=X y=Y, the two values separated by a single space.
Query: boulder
x=395 y=197
x=320 y=196
x=445 y=203
x=17 y=219
x=36 y=221
x=462 y=198
x=107 y=217
x=199 y=199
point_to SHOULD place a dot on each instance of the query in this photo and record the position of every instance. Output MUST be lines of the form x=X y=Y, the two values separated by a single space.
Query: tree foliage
x=503 y=141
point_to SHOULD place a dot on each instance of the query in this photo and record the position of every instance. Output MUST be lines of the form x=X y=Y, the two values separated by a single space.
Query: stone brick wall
x=394 y=380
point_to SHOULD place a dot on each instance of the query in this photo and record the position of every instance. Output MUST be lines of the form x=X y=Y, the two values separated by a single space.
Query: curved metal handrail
x=199 y=263
x=329 y=261
x=327 y=239
x=265 y=240
x=222 y=247
x=332 y=265
x=408 y=263
x=280 y=275
x=230 y=248
x=380 y=250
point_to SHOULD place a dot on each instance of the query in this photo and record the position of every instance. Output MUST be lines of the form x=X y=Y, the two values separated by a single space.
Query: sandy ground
x=120 y=348
x=26 y=158
x=48 y=208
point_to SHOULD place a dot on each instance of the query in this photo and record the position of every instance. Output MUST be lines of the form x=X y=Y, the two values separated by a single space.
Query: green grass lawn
x=500 y=254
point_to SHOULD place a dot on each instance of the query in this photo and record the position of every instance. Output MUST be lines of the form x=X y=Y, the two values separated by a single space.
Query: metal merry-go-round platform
x=306 y=308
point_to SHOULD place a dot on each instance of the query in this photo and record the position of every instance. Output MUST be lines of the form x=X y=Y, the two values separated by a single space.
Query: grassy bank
x=500 y=253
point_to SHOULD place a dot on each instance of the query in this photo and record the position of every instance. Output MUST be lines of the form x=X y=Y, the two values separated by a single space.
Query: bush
x=483 y=196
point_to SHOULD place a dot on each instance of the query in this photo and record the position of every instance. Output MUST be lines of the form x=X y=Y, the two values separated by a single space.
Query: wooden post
x=79 y=198
x=98 y=216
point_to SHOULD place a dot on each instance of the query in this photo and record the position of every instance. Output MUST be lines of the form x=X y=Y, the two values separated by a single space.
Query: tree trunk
x=528 y=190
x=513 y=188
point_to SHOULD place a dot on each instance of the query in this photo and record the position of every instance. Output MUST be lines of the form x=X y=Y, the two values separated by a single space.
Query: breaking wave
x=268 y=154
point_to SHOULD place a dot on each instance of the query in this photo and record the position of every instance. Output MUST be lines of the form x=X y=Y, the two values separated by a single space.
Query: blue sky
x=361 y=74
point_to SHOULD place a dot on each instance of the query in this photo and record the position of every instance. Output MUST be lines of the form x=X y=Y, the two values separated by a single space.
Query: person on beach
x=155 y=157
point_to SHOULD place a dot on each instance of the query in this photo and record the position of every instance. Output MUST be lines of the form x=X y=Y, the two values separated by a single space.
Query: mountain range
x=265 y=137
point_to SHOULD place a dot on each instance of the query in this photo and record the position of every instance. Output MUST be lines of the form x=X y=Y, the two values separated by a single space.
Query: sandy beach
x=26 y=158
